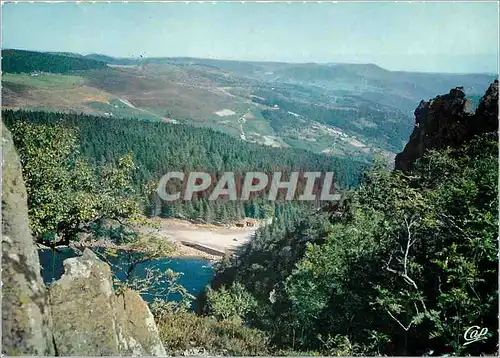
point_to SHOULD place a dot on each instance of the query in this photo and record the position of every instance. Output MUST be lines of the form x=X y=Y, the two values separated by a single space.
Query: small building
x=251 y=222
x=247 y=222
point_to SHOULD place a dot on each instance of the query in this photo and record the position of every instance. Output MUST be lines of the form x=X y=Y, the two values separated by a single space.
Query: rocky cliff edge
x=448 y=120
x=81 y=313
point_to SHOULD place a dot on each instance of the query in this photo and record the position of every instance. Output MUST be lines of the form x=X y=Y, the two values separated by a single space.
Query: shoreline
x=201 y=239
x=189 y=240
x=181 y=251
x=184 y=251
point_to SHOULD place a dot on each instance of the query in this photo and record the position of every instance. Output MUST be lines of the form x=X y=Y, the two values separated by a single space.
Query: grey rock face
x=26 y=323
x=488 y=109
x=91 y=319
x=448 y=120
x=81 y=314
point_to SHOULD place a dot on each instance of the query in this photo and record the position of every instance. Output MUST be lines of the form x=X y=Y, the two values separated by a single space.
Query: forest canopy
x=403 y=267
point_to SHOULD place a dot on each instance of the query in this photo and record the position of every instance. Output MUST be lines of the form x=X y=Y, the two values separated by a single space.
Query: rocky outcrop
x=81 y=313
x=487 y=111
x=26 y=323
x=90 y=318
x=448 y=120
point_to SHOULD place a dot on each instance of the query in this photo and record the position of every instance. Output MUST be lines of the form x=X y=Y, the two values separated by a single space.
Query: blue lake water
x=197 y=272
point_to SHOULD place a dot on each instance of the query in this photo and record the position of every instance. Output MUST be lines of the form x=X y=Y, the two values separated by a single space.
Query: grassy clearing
x=259 y=126
x=53 y=99
x=55 y=81
x=118 y=109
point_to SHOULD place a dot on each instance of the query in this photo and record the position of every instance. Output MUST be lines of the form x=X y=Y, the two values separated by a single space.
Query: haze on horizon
x=458 y=37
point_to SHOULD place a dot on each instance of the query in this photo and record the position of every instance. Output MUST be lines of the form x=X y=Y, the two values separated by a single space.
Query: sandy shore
x=186 y=251
x=191 y=240
x=181 y=250
x=216 y=239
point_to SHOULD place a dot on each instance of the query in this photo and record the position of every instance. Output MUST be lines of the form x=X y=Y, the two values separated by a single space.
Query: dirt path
x=127 y=103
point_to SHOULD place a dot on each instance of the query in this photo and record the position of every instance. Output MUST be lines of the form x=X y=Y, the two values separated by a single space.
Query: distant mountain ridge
x=345 y=110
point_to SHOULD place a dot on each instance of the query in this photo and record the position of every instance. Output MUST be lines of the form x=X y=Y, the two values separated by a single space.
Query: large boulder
x=90 y=318
x=136 y=327
x=26 y=323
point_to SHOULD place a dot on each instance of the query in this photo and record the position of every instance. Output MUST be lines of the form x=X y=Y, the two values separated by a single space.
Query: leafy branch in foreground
x=66 y=195
x=136 y=265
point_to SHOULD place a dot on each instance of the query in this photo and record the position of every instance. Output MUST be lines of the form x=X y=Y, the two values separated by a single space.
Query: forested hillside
x=403 y=266
x=18 y=61
x=157 y=148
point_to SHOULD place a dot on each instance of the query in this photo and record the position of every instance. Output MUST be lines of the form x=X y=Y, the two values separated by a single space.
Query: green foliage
x=403 y=268
x=232 y=303
x=185 y=333
x=165 y=285
x=19 y=61
x=47 y=81
x=66 y=194
x=103 y=141
x=140 y=249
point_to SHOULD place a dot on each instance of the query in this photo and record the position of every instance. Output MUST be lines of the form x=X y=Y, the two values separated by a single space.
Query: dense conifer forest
x=19 y=61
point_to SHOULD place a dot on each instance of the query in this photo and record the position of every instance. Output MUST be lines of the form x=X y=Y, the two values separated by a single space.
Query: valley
x=86 y=139
x=343 y=110
x=250 y=179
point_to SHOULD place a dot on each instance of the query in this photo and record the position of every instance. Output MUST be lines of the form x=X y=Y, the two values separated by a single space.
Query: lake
x=197 y=272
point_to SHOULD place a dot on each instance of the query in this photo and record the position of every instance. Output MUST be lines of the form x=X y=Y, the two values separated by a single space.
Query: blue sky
x=429 y=37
